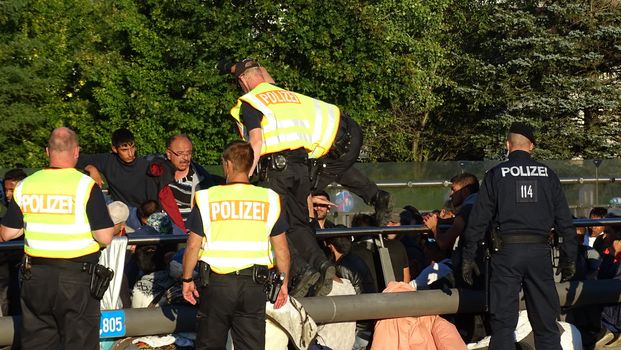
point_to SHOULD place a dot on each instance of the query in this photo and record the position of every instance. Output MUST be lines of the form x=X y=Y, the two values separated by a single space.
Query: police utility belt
x=499 y=240
x=100 y=275
x=271 y=280
x=278 y=161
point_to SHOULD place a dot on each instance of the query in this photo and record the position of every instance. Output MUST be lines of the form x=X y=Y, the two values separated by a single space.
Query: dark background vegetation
x=427 y=79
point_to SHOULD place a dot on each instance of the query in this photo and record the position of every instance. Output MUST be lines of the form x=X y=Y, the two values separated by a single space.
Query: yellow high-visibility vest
x=237 y=222
x=290 y=120
x=53 y=202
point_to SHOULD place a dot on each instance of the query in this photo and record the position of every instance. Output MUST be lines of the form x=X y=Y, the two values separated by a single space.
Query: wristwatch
x=187 y=280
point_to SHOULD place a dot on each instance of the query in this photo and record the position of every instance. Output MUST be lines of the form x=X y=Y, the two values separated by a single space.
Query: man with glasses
x=125 y=172
x=179 y=178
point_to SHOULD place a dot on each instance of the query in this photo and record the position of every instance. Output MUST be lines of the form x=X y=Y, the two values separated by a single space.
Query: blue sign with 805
x=112 y=324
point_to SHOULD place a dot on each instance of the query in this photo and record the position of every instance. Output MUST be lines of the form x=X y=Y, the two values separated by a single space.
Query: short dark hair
x=341 y=244
x=362 y=220
x=121 y=137
x=599 y=212
x=16 y=174
x=147 y=208
x=241 y=154
x=467 y=179
x=321 y=193
x=411 y=216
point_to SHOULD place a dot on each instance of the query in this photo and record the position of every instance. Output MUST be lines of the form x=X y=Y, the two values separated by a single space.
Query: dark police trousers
x=341 y=170
x=293 y=186
x=231 y=302
x=526 y=265
x=57 y=308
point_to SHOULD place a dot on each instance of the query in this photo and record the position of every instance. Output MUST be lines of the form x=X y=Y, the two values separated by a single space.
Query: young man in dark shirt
x=126 y=174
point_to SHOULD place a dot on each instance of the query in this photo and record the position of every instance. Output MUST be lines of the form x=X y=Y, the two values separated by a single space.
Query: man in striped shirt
x=180 y=178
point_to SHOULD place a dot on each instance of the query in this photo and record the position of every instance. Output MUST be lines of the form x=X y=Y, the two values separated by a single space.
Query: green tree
x=556 y=66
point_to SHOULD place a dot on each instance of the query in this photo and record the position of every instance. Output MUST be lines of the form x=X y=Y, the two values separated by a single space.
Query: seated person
x=119 y=212
x=611 y=268
x=321 y=211
x=366 y=247
x=595 y=234
x=349 y=266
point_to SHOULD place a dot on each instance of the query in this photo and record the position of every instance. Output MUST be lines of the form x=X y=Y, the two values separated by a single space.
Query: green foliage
x=554 y=66
x=432 y=80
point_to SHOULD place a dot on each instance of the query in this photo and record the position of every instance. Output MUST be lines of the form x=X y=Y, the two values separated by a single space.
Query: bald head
x=518 y=142
x=63 y=148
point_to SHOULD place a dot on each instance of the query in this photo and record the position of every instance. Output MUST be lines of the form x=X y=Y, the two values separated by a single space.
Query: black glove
x=467 y=268
x=567 y=270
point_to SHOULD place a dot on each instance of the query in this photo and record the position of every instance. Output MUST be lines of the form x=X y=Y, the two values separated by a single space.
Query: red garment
x=169 y=204
x=415 y=333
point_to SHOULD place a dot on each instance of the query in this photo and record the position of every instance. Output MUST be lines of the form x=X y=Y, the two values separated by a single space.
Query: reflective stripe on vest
x=290 y=120
x=53 y=202
x=237 y=221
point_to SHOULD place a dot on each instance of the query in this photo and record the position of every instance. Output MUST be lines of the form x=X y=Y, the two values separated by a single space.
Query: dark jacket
x=356 y=271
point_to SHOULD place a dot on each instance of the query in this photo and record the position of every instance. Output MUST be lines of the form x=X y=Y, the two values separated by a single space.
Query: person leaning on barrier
x=63 y=216
x=523 y=200
x=233 y=229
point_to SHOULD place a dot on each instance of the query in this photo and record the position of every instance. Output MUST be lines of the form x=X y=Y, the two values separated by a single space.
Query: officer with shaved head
x=522 y=201
x=63 y=216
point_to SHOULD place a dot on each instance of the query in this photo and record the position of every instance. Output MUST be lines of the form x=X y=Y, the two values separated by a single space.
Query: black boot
x=303 y=282
x=383 y=203
x=324 y=286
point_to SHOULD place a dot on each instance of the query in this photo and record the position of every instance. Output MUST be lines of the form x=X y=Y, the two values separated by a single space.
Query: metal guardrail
x=447 y=183
x=322 y=234
x=178 y=318
x=346 y=308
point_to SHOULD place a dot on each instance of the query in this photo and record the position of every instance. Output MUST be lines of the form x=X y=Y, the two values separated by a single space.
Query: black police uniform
x=231 y=301
x=293 y=186
x=523 y=200
x=338 y=165
x=57 y=305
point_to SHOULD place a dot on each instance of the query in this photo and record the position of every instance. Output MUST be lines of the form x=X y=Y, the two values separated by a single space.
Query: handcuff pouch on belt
x=203 y=273
x=495 y=242
x=315 y=167
x=100 y=275
x=274 y=161
x=100 y=279
x=270 y=280
x=25 y=267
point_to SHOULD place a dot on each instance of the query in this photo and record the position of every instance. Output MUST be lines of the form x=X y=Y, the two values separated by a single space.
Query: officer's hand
x=282 y=298
x=189 y=292
x=567 y=271
x=468 y=267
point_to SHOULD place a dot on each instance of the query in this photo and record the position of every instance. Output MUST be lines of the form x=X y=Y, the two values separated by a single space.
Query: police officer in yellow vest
x=332 y=139
x=237 y=229
x=64 y=218
x=276 y=124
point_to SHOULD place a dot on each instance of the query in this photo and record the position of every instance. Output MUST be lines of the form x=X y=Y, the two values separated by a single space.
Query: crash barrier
x=177 y=318
x=181 y=318
x=325 y=233
x=447 y=183
x=384 y=256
